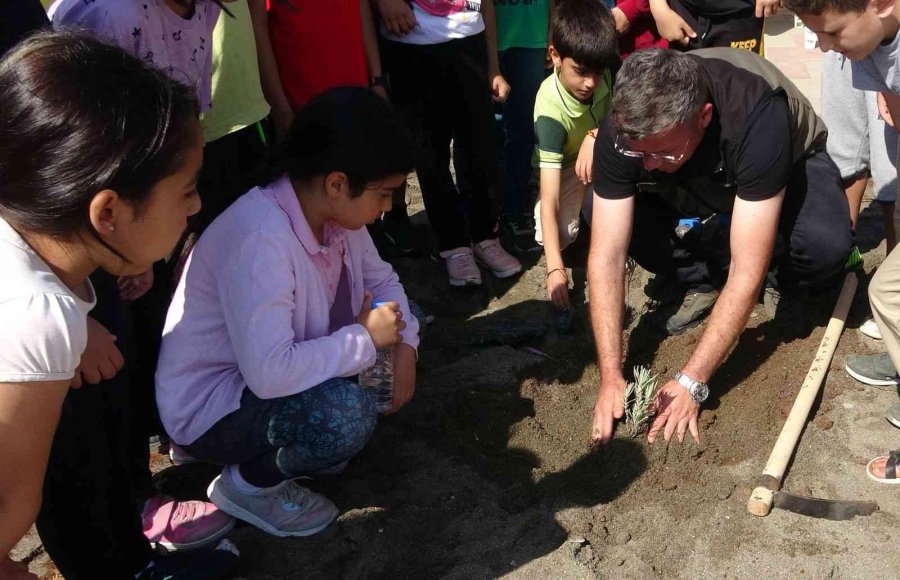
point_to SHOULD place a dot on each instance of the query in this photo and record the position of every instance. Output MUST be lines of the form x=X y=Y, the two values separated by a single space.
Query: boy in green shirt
x=569 y=106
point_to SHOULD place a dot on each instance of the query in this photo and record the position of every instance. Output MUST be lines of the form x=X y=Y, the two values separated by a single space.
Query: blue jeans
x=524 y=70
x=278 y=439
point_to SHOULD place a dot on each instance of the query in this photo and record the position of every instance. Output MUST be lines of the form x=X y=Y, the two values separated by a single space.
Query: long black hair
x=78 y=116
x=346 y=129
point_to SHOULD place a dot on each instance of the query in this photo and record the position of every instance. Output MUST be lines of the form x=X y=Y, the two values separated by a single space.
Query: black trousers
x=739 y=30
x=98 y=472
x=813 y=243
x=442 y=92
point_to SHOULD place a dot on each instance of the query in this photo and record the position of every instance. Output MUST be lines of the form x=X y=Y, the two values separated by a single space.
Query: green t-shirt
x=237 y=97
x=522 y=23
x=561 y=121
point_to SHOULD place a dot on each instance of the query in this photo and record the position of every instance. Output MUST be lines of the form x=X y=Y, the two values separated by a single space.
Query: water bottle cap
x=379 y=303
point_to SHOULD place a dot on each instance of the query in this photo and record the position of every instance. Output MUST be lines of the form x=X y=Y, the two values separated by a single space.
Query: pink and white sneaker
x=461 y=267
x=183 y=525
x=501 y=263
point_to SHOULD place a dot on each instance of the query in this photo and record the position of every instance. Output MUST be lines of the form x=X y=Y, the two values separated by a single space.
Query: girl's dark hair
x=347 y=129
x=78 y=116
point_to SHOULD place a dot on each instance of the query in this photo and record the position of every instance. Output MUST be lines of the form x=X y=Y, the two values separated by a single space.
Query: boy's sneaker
x=461 y=267
x=200 y=565
x=285 y=510
x=179 y=456
x=693 y=310
x=518 y=231
x=876 y=370
x=501 y=263
x=399 y=232
x=870 y=328
x=183 y=525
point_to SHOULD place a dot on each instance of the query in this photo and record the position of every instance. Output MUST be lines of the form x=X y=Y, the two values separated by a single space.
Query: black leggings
x=98 y=472
x=442 y=92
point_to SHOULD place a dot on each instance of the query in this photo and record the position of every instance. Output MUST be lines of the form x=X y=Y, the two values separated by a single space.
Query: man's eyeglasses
x=621 y=145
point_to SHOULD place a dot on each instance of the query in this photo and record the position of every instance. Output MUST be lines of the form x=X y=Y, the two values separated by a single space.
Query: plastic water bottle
x=380 y=376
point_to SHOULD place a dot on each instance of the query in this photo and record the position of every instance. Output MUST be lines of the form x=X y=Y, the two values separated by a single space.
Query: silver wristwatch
x=699 y=391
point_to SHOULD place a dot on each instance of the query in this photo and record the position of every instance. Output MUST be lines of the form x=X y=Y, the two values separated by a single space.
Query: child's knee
x=355 y=415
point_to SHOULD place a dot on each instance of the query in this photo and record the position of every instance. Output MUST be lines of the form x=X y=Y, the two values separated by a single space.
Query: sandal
x=890 y=468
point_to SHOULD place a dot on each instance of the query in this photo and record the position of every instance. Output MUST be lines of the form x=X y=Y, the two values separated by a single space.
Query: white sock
x=241 y=483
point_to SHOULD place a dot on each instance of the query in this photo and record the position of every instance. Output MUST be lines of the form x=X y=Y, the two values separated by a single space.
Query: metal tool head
x=828 y=509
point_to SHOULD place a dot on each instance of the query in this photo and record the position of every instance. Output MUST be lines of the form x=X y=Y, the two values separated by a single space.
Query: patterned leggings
x=278 y=439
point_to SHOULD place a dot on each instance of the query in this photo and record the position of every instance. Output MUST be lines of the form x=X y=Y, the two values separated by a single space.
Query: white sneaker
x=461 y=267
x=285 y=510
x=870 y=329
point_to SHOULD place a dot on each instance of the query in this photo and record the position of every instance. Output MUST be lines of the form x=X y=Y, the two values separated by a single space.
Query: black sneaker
x=203 y=564
x=518 y=234
x=399 y=232
x=787 y=311
x=693 y=310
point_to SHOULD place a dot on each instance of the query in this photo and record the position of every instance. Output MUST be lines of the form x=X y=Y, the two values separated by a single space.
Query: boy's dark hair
x=78 y=116
x=347 y=129
x=817 y=7
x=584 y=30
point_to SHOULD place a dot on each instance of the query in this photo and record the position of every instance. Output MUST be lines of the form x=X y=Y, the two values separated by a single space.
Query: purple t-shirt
x=149 y=29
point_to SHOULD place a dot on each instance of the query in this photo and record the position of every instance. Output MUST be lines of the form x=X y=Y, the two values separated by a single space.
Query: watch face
x=701 y=392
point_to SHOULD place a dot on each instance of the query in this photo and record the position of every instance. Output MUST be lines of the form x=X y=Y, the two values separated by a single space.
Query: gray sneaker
x=876 y=370
x=285 y=510
x=692 y=311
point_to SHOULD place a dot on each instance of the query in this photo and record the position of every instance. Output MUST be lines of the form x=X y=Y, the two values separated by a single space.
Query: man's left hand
x=676 y=412
x=404 y=376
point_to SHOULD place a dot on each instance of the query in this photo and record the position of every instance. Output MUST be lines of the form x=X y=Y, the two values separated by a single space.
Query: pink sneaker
x=183 y=525
x=461 y=267
x=501 y=263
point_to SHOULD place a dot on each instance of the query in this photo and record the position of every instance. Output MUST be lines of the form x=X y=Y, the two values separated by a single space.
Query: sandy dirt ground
x=488 y=473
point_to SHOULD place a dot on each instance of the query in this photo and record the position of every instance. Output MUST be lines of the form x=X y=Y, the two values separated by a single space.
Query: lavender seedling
x=639 y=397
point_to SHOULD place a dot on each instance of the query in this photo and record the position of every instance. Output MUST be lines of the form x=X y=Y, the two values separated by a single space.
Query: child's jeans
x=278 y=439
x=524 y=70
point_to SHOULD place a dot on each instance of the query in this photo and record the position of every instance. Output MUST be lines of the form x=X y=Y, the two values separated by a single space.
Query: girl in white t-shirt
x=99 y=155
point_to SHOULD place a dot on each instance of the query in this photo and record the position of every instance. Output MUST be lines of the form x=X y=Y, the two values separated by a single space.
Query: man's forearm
x=606 y=279
x=728 y=319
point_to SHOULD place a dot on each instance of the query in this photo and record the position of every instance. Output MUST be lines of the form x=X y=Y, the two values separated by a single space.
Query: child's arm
x=557 y=279
x=671 y=26
x=370 y=40
x=382 y=281
x=282 y=113
x=767 y=8
x=29 y=414
x=584 y=165
x=259 y=294
x=397 y=16
x=499 y=86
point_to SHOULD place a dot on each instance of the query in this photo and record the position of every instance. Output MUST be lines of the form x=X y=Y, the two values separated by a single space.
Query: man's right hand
x=397 y=16
x=609 y=407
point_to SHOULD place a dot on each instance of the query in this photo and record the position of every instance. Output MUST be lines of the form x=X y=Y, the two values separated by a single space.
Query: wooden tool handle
x=760 y=502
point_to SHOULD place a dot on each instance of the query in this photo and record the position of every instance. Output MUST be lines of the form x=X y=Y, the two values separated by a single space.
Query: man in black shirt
x=722 y=131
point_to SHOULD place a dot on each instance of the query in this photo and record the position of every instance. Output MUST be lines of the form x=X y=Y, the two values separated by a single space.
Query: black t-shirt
x=761 y=126
x=718 y=7
x=18 y=19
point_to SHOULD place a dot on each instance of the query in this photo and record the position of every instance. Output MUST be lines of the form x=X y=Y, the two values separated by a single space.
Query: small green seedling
x=639 y=397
